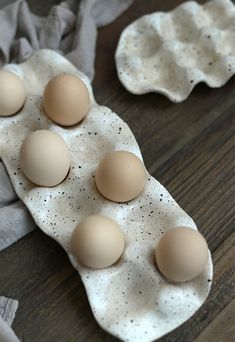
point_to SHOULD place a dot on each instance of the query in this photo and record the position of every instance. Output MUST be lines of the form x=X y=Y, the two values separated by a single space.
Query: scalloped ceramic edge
x=171 y=52
x=130 y=299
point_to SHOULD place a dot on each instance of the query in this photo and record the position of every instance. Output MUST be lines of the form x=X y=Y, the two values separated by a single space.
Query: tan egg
x=97 y=241
x=120 y=176
x=45 y=158
x=181 y=254
x=66 y=100
x=12 y=93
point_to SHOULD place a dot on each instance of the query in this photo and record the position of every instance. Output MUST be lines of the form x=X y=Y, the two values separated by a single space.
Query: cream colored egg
x=66 y=100
x=120 y=176
x=97 y=241
x=181 y=254
x=12 y=93
x=45 y=158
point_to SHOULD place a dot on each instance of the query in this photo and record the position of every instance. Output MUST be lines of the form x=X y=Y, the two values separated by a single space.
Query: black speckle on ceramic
x=171 y=52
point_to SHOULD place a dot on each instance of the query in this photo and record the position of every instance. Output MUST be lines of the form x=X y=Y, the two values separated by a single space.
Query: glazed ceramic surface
x=170 y=53
x=130 y=300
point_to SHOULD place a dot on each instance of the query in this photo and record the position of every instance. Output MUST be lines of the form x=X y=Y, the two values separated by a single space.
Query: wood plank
x=201 y=178
x=222 y=326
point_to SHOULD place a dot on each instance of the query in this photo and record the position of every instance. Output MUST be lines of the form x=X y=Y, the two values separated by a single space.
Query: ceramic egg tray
x=170 y=53
x=130 y=300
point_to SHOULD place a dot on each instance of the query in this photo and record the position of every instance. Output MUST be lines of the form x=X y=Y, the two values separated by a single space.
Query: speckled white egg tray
x=170 y=53
x=130 y=300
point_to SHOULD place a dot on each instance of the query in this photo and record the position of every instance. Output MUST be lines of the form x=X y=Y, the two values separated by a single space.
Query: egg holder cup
x=130 y=300
x=170 y=53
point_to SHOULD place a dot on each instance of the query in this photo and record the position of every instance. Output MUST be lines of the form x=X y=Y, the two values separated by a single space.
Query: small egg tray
x=169 y=53
x=130 y=299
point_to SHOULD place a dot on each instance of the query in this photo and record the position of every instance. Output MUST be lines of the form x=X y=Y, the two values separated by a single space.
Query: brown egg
x=45 y=158
x=181 y=254
x=12 y=93
x=97 y=241
x=120 y=176
x=66 y=100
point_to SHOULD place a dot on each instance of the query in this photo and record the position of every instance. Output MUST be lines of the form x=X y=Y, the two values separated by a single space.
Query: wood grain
x=222 y=327
x=189 y=148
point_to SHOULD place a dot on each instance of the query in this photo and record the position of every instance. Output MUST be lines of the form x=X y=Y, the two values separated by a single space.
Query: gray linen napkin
x=8 y=308
x=70 y=29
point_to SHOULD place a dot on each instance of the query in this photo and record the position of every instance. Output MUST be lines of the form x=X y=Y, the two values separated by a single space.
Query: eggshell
x=181 y=254
x=97 y=241
x=130 y=300
x=120 y=176
x=66 y=99
x=12 y=93
x=44 y=158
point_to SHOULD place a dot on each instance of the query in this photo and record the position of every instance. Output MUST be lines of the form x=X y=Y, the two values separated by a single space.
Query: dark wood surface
x=189 y=147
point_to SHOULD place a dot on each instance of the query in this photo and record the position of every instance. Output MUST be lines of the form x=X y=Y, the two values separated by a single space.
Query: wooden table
x=189 y=148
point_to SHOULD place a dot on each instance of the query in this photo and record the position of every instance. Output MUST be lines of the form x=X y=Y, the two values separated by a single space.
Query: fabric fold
x=69 y=28
x=8 y=309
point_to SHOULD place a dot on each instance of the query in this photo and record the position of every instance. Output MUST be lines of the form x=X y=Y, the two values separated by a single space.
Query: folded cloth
x=15 y=219
x=6 y=333
x=71 y=29
x=8 y=308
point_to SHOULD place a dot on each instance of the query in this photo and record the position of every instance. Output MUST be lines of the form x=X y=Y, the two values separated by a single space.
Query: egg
x=66 y=100
x=12 y=93
x=97 y=241
x=181 y=254
x=45 y=158
x=120 y=176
